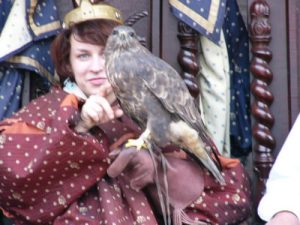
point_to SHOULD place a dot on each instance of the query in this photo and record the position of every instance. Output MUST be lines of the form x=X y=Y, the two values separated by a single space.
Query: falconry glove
x=180 y=176
x=136 y=166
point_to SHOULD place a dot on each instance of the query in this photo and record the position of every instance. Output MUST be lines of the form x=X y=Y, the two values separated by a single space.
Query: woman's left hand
x=136 y=165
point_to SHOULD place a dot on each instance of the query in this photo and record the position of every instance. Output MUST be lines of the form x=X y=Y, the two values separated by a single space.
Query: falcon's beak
x=122 y=36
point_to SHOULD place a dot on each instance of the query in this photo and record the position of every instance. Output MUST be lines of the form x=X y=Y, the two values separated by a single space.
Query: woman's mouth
x=97 y=80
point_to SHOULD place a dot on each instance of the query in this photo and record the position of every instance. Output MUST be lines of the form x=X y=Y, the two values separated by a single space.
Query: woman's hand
x=136 y=165
x=284 y=217
x=138 y=169
x=97 y=109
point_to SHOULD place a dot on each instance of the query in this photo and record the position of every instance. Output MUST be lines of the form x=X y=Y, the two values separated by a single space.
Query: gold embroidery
x=41 y=125
x=29 y=61
x=48 y=130
x=43 y=28
x=140 y=219
x=236 y=198
x=16 y=196
x=199 y=200
x=74 y=165
x=117 y=189
x=2 y=139
x=83 y=209
x=61 y=200
x=208 y=24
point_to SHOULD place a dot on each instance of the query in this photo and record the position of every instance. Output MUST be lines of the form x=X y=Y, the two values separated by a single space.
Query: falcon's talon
x=138 y=143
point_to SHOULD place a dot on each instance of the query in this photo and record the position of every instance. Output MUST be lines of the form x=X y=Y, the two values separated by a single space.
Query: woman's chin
x=94 y=90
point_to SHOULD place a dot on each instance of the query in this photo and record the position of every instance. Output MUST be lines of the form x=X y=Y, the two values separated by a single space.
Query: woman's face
x=88 y=65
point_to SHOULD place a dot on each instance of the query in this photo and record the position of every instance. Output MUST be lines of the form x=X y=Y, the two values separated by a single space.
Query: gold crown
x=88 y=11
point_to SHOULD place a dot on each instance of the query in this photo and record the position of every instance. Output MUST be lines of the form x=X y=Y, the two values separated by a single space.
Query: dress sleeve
x=44 y=164
x=283 y=185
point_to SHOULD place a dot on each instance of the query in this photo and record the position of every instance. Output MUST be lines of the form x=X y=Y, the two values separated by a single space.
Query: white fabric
x=72 y=88
x=283 y=185
x=15 y=33
x=214 y=82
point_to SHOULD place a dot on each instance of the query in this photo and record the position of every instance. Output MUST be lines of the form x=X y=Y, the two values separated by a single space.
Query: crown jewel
x=88 y=11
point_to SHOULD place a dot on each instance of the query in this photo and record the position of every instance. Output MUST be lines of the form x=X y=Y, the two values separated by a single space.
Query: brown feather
x=153 y=94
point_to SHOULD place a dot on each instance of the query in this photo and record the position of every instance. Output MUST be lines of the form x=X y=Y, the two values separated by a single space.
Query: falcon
x=154 y=95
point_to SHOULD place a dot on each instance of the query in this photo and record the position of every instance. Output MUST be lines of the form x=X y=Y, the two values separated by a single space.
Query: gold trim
x=29 y=61
x=88 y=11
x=208 y=24
x=43 y=28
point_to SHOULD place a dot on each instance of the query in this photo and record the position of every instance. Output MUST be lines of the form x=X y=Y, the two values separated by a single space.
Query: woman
x=56 y=152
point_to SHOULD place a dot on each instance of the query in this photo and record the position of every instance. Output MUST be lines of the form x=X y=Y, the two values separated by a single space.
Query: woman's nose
x=98 y=63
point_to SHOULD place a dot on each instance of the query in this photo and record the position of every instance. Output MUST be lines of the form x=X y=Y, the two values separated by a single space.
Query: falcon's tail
x=205 y=136
x=189 y=139
x=207 y=161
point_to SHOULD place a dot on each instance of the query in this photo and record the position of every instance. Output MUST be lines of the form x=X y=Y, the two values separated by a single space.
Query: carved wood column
x=263 y=119
x=188 y=57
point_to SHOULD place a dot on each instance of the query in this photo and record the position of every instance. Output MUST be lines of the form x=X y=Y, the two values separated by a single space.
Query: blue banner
x=237 y=42
x=204 y=16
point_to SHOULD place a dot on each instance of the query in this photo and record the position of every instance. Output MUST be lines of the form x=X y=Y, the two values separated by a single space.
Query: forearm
x=283 y=185
x=282 y=194
x=284 y=217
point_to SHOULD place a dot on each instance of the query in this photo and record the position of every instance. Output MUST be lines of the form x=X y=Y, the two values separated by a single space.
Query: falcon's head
x=122 y=38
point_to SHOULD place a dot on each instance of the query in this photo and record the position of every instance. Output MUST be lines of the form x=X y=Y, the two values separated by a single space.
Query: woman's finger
x=104 y=104
x=118 y=112
x=121 y=162
x=105 y=89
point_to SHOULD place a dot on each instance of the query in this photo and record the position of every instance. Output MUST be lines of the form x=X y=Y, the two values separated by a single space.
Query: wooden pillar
x=187 y=57
x=263 y=119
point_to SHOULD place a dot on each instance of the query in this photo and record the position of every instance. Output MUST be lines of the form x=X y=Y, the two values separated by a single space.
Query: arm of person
x=282 y=195
x=284 y=217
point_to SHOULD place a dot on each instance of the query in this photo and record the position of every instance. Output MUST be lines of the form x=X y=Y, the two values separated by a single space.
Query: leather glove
x=185 y=181
x=136 y=165
x=183 y=176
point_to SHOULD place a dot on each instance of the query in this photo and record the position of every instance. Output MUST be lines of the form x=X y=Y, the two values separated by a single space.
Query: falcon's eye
x=114 y=32
x=131 y=34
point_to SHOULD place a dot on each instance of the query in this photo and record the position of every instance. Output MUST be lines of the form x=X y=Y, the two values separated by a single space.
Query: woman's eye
x=83 y=56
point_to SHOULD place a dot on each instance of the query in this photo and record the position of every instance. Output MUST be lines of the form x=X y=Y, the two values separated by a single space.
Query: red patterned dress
x=49 y=174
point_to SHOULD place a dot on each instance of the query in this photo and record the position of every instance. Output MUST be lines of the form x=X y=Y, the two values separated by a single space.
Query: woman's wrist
x=81 y=127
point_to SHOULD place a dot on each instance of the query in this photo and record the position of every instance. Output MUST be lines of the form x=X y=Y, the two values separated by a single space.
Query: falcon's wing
x=162 y=81
x=167 y=85
x=121 y=71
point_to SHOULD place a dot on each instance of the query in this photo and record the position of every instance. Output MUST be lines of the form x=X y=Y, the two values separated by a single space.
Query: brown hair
x=92 y=31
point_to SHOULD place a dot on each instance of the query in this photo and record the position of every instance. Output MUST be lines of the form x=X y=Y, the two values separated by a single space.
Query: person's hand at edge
x=284 y=218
